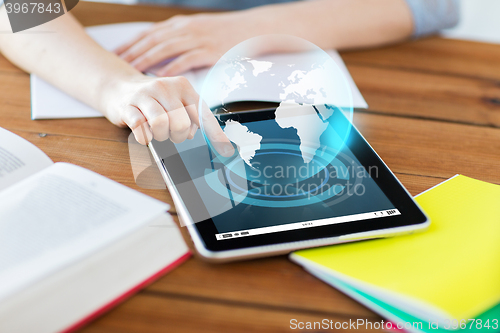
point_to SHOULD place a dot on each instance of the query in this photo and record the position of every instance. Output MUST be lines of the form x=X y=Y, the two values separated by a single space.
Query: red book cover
x=106 y=307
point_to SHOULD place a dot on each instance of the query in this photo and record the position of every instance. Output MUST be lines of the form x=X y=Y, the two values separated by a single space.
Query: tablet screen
x=333 y=196
x=279 y=189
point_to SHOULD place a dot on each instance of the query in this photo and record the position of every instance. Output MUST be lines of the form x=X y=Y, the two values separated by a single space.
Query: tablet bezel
x=203 y=233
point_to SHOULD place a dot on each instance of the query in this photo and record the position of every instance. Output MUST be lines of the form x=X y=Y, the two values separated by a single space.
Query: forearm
x=338 y=24
x=62 y=53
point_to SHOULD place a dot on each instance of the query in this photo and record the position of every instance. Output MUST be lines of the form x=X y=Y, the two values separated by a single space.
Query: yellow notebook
x=451 y=271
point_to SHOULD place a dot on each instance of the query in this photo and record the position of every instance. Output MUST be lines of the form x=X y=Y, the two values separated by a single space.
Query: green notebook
x=488 y=321
x=447 y=275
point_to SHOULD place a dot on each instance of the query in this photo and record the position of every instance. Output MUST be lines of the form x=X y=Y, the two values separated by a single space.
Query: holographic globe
x=291 y=146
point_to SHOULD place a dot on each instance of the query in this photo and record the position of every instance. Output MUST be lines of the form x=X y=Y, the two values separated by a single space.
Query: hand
x=162 y=108
x=196 y=41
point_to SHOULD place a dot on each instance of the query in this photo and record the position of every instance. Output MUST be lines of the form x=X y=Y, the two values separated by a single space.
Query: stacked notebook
x=443 y=279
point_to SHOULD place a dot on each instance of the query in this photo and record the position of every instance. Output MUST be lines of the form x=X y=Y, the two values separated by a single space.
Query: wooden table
x=434 y=112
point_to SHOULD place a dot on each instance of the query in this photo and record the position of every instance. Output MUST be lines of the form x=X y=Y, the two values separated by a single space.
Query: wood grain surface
x=434 y=112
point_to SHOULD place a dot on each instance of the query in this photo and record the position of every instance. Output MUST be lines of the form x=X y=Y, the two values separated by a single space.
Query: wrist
x=114 y=93
x=303 y=19
x=270 y=21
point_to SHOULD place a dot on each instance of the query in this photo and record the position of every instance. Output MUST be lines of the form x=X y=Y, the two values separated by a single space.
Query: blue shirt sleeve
x=430 y=16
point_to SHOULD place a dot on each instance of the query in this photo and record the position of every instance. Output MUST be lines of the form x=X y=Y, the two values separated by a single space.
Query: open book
x=72 y=242
x=48 y=102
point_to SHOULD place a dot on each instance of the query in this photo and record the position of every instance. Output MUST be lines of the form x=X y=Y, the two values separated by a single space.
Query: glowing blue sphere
x=305 y=132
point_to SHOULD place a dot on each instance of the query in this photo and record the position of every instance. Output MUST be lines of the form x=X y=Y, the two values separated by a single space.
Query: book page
x=61 y=215
x=19 y=159
x=97 y=282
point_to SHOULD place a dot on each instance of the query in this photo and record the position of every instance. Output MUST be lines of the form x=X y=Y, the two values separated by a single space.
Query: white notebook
x=48 y=102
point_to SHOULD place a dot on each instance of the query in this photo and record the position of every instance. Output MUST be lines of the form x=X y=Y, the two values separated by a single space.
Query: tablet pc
x=231 y=213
